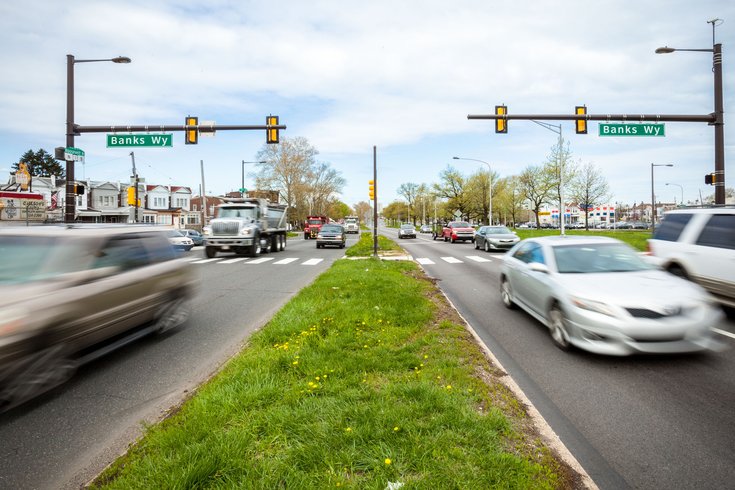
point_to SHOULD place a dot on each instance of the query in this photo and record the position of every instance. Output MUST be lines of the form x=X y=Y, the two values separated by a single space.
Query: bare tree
x=409 y=191
x=536 y=184
x=561 y=171
x=589 y=187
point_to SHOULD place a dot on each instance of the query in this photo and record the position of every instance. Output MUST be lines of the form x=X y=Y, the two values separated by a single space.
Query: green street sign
x=127 y=140
x=74 y=154
x=638 y=129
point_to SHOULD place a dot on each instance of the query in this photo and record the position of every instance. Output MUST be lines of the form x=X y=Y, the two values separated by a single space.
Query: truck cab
x=352 y=224
x=312 y=225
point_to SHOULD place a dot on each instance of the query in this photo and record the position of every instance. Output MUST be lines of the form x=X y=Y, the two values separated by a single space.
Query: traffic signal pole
x=375 y=202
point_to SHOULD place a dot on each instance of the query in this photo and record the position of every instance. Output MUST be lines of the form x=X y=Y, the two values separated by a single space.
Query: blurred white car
x=179 y=241
x=598 y=294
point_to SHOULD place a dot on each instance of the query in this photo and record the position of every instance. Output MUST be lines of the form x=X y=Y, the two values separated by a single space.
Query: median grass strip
x=366 y=379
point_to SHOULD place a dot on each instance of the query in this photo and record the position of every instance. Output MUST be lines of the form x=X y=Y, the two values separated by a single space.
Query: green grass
x=635 y=238
x=364 y=246
x=365 y=377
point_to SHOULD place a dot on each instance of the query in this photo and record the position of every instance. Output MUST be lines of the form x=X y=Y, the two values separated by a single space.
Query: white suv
x=699 y=244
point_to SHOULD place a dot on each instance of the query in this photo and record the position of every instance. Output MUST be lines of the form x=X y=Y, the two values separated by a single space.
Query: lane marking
x=260 y=260
x=477 y=258
x=312 y=262
x=451 y=260
x=233 y=261
x=206 y=260
x=286 y=261
x=425 y=261
x=723 y=332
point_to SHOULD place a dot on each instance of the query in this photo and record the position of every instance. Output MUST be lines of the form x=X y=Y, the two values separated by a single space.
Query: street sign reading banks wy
x=638 y=129
x=125 y=140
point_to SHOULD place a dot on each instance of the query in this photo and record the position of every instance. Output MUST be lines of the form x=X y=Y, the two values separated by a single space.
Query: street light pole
x=719 y=122
x=557 y=129
x=682 y=190
x=490 y=173
x=71 y=198
x=242 y=184
x=653 y=198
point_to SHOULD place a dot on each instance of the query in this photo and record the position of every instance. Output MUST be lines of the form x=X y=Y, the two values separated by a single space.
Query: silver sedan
x=600 y=295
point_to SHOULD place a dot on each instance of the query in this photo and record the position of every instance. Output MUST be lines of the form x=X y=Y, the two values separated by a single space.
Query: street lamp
x=242 y=185
x=71 y=199
x=653 y=198
x=557 y=129
x=490 y=172
x=682 y=190
x=719 y=109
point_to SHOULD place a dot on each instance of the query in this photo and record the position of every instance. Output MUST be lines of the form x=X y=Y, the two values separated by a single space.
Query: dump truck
x=246 y=226
x=352 y=224
x=313 y=224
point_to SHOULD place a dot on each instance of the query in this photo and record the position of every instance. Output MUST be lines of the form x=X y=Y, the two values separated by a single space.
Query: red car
x=458 y=230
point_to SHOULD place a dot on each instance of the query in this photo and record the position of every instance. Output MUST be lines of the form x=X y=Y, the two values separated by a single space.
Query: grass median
x=366 y=379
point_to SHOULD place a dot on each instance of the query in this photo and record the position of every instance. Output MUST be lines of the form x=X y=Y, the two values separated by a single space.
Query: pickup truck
x=458 y=230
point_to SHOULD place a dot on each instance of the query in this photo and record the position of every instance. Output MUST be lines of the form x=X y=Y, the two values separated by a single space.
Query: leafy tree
x=41 y=164
x=508 y=199
x=588 y=188
x=537 y=184
x=452 y=187
x=338 y=210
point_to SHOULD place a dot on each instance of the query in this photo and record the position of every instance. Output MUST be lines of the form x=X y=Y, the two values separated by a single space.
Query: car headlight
x=591 y=305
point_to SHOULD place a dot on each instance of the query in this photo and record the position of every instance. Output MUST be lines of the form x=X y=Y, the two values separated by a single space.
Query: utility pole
x=135 y=180
x=375 y=202
x=204 y=195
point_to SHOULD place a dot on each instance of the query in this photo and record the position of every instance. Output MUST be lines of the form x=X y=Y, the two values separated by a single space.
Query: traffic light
x=271 y=134
x=79 y=189
x=501 y=124
x=581 y=124
x=710 y=179
x=191 y=136
x=372 y=190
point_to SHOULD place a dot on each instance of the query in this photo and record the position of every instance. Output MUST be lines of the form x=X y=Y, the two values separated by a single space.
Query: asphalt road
x=638 y=422
x=66 y=437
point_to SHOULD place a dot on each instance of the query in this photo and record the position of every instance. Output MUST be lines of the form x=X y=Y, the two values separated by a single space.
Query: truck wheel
x=255 y=247
x=283 y=242
x=276 y=243
x=265 y=246
x=306 y=236
x=210 y=252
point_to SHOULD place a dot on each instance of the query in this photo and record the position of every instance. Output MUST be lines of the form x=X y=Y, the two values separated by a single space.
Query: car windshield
x=237 y=213
x=175 y=233
x=498 y=230
x=27 y=259
x=407 y=227
x=331 y=229
x=596 y=257
x=460 y=224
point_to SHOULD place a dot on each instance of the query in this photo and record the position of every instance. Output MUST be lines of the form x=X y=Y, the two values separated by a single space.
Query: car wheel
x=477 y=245
x=318 y=245
x=487 y=247
x=172 y=314
x=678 y=270
x=506 y=294
x=558 y=329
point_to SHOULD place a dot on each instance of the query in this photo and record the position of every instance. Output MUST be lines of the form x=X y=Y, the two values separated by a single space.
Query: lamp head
x=665 y=50
x=121 y=59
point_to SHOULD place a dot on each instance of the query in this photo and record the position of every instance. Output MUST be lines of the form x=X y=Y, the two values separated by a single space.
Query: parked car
x=495 y=238
x=407 y=231
x=699 y=244
x=69 y=294
x=179 y=241
x=599 y=294
x=331 y=234
x=194 y=236
x=425 y=229
x=458 y=230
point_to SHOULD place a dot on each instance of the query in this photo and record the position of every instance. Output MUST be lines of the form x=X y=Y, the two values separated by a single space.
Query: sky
x=352 y=75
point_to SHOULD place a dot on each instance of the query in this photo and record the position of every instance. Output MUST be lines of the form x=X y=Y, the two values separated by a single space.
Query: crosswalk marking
x=260 y=260
x=232 y=261
x=425 y=261
x=477 y=258
x=286 y=261
x=206 y=260
x=312 y=262
x=451 y=260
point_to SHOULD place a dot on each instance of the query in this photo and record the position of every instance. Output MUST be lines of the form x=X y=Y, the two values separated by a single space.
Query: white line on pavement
x=723 y=332
x=286 y=261
x=206 y=260
x=233 y=261
x=451 y=260
x=260 y=260
x=424 y=261
x=477 y=258
x=312 y=261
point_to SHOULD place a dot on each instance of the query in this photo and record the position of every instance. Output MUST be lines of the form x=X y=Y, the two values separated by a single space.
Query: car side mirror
x=539 y=267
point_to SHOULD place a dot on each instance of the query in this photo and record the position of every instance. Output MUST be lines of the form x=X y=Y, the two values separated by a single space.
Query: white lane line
x=723 y=332
x=451 y=260
x=190 y=259
x=477 y=258
x=425 y=261
x=312 y=262
x=206 y=260
x=260 y=260
x=233 y=261
x=286 y=261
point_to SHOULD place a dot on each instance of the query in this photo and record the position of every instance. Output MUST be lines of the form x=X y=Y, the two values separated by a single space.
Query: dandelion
x=348 y=429
x=317 y=378
x=388 y=461
x=295 y=363
x=425 y=356
x=449 y=387
x=396 y=429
